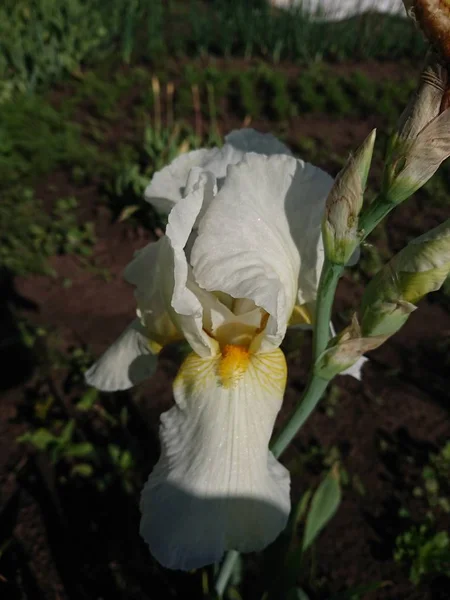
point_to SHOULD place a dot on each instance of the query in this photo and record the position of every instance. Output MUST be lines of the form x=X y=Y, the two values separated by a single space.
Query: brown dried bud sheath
x=433 y=17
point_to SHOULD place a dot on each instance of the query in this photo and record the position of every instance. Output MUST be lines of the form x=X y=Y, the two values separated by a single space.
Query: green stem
x=226 y=570
x=311 y=396
x=325 y=295
x=373 y=215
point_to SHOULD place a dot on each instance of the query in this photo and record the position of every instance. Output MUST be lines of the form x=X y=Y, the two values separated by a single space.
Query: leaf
x=40 y=439
x=114 y=453
x=126 y=460
x=283 y=560
x=88 y=400
x=127 y=212
x=80 y=450
x=83 y=470
x=297 y=514
x=324 y=505
x=67 y=433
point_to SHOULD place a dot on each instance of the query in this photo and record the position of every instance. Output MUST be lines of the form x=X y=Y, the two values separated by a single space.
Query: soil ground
x=69 y=541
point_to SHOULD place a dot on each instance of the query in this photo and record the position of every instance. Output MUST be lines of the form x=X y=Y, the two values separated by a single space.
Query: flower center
x=235 y=334
x=242 y=323
x=233 y=364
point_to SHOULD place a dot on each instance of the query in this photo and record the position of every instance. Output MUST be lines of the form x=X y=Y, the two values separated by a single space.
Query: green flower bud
x=344 y=203
x=415 y=271
x=344 y=350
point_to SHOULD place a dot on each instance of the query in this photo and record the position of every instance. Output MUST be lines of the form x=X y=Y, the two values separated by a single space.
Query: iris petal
x=217 y=486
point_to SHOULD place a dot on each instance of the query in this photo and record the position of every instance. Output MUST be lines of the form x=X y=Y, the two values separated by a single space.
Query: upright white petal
x=333 y=10
x=260 y=237
x=249 y=140
x=217 y=486
x=305 y=209
x=169 y=185
x=127 y=362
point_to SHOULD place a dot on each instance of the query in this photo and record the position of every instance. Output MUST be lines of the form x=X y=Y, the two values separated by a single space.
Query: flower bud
x=426 y=102
x=433 y=18
x=414 y=163
x=344 y=203
x=389 y=299
x=418 y=269
x=345 y=350
x=423 y=139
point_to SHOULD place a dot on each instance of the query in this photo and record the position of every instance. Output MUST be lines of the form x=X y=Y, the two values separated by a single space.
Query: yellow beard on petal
x=233 y=364
x=266 y=371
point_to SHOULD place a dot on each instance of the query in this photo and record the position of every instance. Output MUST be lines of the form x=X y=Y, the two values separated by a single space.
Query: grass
x=80 y=129
x=42 y=41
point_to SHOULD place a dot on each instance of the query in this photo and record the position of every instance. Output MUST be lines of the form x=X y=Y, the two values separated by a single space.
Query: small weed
x=29 y=235
x=36 y=139
x=59 y=446
x=425 y=551
x=436 y=483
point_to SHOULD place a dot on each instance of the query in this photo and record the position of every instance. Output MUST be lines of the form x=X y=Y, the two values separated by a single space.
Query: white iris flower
x=240 y=261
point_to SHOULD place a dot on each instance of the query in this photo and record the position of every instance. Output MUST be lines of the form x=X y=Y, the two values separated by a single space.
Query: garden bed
x=69 y=517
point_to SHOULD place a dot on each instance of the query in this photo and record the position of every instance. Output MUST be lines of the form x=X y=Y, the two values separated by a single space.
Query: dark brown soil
x=69 y=542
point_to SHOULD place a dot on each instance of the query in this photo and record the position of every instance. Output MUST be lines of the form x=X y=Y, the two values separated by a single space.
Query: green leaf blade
x=324 y=505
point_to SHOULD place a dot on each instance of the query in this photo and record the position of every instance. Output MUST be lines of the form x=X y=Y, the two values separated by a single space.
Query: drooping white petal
x=169 y=185
x=217 y=486
x=128 y=361
x=261 y=236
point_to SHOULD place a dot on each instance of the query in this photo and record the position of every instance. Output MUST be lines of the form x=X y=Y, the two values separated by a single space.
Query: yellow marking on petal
x=195 y=372
x=233 y=364
x=269 y=371
x=301 y=315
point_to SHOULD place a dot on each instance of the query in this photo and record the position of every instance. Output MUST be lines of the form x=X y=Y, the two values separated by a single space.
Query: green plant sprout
x=425 y=551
